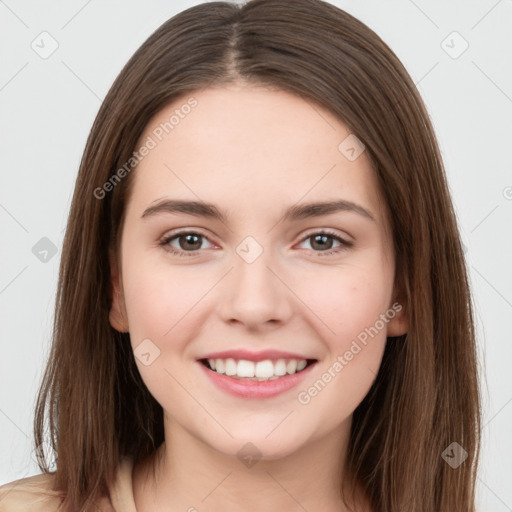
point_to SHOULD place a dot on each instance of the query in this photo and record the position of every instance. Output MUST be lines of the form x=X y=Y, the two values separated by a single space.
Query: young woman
x=263 y=302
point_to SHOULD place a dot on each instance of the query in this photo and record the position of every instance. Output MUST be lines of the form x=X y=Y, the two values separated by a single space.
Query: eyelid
x=182 y=232
x=328 y=231
x=188 y=229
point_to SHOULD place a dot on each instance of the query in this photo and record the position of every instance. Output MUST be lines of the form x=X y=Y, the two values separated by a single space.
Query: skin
x=252 y=151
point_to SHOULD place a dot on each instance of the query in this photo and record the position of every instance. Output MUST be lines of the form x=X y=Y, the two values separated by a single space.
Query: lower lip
x=255 y=389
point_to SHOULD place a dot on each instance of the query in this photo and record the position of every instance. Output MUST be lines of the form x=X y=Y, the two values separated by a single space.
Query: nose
x=255 y=295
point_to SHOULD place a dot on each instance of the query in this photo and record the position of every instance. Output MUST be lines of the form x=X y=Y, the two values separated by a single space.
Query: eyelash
x=345 y=244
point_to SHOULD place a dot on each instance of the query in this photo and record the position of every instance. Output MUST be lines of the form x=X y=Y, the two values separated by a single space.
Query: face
x=318 y=285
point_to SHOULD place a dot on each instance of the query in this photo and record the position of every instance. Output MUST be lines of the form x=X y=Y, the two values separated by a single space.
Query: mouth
x=261 y=371
x=244 y=381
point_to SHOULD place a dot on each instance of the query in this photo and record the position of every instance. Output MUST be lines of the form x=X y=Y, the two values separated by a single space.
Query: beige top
x=35 y=494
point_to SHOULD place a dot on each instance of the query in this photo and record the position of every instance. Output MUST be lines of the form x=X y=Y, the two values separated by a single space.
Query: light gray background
x=47 y=109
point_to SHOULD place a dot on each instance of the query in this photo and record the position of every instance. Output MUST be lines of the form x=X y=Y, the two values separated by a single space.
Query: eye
x=321 y=240
x=189 y=243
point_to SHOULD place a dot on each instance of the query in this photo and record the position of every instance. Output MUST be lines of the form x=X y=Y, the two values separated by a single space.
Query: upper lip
x=254 y=356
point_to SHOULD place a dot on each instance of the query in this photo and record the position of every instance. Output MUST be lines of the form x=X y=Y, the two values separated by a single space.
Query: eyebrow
x=296 y=212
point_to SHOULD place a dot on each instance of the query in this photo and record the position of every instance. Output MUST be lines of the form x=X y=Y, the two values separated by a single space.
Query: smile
x=262 y=379
x=258 y=371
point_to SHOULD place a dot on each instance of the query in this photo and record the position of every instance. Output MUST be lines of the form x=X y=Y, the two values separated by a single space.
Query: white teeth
x=230 y=367
x=261 y=370
x=301 y=365
x=280 y=367
x=291 y=367
x=245 y=368
x=264 y=369
x=219 y=365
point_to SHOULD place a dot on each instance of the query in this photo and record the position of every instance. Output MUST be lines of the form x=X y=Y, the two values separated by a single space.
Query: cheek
x=162 y=304
x=158 y=297
x=346 y=300
x=350 y=309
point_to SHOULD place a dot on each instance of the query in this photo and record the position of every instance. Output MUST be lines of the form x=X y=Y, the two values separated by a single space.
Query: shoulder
x=34 y=493
x=37 y=493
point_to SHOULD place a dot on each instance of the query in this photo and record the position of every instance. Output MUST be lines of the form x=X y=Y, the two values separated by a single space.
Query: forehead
x=248 y=147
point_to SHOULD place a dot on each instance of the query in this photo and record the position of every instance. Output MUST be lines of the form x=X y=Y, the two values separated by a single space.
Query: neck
x=185 y=474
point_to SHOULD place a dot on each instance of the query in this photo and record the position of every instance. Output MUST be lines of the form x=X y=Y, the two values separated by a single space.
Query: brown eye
x=189 y=242
x=322 y=243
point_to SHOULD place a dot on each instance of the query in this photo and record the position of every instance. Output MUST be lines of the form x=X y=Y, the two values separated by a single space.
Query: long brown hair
x=425 y=396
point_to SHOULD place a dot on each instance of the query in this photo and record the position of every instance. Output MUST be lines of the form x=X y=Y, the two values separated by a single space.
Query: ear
x=117 y=316
x=399 y=323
